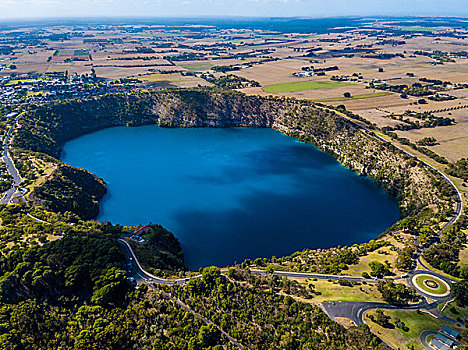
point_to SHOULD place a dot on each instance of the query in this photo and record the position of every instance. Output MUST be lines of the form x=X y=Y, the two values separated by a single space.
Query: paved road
x=143 y=277
x=10 y=165
x=315 y=275
x=449 y=281
x=38 y=220
x=351 y=310
x=146 y=276
x=423 y=336
x=355 y=310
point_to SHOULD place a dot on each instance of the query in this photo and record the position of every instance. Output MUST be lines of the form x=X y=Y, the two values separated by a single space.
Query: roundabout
x=431 y=285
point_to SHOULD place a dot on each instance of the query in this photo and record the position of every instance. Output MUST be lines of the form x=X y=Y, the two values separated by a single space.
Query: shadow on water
x=277 y=160
x=321 y=213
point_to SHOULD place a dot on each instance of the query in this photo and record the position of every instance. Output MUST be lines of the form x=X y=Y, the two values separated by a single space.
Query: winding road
x=423 y=338
x=143 y=277
x=355 y=310
x=16 y=178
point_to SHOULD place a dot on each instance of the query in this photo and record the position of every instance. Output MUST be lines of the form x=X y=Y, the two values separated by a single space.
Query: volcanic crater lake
x=231 y=194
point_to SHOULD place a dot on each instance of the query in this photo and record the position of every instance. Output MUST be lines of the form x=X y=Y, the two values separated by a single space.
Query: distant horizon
x=143 y=17
x=52 y=9
x=299 y=24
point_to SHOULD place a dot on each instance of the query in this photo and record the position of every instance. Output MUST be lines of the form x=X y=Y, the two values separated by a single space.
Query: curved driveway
x=423 y=338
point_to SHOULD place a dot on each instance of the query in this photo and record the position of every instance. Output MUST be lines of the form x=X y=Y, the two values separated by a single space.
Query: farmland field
x=82 y=52
x=303 y=86
x=357 y=97
x=198 y=66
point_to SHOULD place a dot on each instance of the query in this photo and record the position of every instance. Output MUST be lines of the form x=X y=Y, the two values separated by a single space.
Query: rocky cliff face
x=47 y=128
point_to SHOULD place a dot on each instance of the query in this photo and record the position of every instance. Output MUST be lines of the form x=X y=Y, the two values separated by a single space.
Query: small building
x=141 y=230
x=449 y=332
x=437 y=345
x=443 y=339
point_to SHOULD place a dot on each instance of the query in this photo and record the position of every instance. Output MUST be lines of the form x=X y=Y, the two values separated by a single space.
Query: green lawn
x=238 y=41
x=303 y=86
x=441 y=289
x=440 y=272
x=417 y=322
x=333 y=291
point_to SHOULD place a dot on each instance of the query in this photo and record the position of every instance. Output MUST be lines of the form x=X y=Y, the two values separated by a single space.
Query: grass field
x=65 y=52
x=440 y=272
x=455 y=312
x=303 y=86
x=238 y=41
x=161 y=77
x=382 y=254
x=440 y=289
x=35 y=93
x=333 y=291
x=464 y=253
x=173 y=80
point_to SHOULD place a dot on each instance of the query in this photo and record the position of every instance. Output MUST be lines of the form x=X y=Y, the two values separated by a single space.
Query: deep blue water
x=231 y=194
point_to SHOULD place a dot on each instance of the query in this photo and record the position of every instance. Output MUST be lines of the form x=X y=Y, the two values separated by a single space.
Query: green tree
x=378 y=269
x=460 y=292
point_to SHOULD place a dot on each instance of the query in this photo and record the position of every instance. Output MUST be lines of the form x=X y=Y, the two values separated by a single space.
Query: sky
x=11 y=9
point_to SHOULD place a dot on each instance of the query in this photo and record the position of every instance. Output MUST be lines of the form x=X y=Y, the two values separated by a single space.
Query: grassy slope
x=363 y=265
x=455 y=312
x=333 y=291
x=464 y=253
